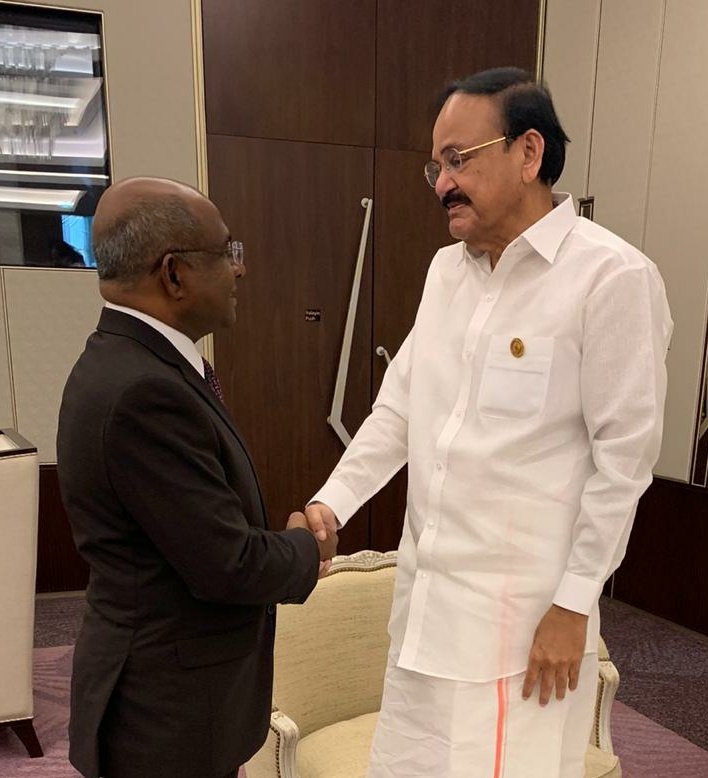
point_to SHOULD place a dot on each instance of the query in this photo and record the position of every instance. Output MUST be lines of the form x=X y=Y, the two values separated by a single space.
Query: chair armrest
x=608 y=683
x=276 y=758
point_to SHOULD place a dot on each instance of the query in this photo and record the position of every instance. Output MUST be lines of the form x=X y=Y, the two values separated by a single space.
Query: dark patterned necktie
x=212 y=380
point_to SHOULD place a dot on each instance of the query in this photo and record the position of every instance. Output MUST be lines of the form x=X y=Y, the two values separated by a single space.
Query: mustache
x=453 y=197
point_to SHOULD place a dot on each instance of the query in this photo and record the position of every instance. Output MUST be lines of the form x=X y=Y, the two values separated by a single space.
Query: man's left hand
x=556 y=653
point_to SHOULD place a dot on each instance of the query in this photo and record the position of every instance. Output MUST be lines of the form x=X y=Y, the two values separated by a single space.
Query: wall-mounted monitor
x=54 y=150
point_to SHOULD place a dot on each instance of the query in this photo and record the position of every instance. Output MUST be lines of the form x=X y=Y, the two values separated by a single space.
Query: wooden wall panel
x=297 y=208
x=59 y=566
x=294 y=69
x=664 y=571
x=421 y=46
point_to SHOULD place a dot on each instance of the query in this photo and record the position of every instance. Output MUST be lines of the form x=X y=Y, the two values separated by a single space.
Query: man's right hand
x=321 y=520
x=328 y=544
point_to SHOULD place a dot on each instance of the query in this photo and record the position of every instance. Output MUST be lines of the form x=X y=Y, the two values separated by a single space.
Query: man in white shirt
x=527 y=401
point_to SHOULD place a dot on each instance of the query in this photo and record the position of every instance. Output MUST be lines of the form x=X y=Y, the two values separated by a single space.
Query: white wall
x=569 y=65
x=155 y=129
x=676 y=224
x=630 y=82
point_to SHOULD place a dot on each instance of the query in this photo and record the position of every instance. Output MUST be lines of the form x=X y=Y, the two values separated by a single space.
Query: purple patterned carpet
x=663 y=669
x=52 y=672
x=647 y=749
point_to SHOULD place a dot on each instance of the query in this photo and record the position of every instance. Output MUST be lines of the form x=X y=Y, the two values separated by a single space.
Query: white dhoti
x=437 y=728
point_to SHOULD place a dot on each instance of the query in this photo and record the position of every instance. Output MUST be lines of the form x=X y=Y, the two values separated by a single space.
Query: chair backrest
x=19 y=496
x=330 y=653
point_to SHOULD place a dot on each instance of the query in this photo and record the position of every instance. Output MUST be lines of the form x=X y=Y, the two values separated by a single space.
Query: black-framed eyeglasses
x=453 y=160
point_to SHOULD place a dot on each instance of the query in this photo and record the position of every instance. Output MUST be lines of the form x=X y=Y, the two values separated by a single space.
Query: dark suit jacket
x=173 y=667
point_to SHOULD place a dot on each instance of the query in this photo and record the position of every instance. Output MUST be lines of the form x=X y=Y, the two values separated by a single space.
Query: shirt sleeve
x=380 y=447
x=627 y=327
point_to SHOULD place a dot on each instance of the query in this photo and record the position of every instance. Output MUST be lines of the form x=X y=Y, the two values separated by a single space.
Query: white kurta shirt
x=528 y=403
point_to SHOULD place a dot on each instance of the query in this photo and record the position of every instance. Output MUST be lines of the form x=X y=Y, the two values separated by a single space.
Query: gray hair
x=127 y=247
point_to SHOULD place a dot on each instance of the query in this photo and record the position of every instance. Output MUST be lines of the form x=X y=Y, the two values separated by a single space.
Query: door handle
x=335 y=415
x=381 y=351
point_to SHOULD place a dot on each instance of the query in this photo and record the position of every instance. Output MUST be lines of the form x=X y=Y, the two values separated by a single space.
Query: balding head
x=162 y=248
x=140 y=219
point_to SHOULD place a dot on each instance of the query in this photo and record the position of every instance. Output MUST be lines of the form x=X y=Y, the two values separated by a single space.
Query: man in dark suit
x=173 y=667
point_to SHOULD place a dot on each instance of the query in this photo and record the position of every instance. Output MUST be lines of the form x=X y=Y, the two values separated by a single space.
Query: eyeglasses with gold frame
x=453 y=160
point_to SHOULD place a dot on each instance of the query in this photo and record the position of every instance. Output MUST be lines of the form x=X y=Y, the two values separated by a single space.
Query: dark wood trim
x=664 y=571
x=24 y=729
x=59 y=566
x=700 y=465
x=699 y=474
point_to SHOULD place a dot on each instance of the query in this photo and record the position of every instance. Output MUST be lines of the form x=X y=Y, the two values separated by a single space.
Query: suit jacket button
x=270 y=609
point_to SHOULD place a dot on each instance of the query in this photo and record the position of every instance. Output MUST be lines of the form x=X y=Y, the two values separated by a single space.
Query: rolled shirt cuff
x=576 y=593
x=340 y=499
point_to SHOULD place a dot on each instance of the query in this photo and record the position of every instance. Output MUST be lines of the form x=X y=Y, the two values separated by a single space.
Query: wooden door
x=297 y=209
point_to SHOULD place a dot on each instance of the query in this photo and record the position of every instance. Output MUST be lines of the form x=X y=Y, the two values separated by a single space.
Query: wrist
x=569 y=614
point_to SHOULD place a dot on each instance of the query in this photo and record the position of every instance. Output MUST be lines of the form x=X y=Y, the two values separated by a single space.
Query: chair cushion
x=338 y=751
x=342 y=751
x=345 y=620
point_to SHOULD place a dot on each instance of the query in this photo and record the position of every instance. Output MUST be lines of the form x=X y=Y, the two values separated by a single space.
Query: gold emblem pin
x=517 y=348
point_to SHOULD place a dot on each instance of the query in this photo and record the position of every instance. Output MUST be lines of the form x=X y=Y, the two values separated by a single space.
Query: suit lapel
x=119 y=323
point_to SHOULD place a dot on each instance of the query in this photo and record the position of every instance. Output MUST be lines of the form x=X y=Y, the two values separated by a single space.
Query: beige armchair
x=330 y=658
x=19 y=495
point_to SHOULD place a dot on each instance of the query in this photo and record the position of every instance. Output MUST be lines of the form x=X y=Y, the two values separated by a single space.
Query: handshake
x=319 y=519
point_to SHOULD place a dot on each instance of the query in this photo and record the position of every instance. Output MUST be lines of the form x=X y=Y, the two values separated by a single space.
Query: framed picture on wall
x=54 y=149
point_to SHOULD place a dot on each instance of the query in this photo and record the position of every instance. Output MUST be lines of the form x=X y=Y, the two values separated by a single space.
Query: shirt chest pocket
x=515 y=377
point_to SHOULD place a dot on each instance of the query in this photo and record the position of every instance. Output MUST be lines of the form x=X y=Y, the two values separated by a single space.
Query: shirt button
x=489 y=298
x=438 y=466
x=423 y=574
x=431 y=524
x=468 y=355
x=458 y=414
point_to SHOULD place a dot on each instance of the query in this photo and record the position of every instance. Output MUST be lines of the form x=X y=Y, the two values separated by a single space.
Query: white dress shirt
x=184 y=344
x=528 y=403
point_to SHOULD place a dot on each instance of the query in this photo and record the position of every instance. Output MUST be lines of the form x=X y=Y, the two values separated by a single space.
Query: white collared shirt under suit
x=528 y=404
